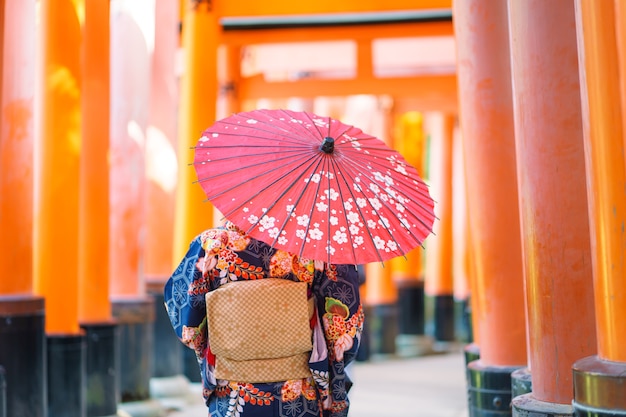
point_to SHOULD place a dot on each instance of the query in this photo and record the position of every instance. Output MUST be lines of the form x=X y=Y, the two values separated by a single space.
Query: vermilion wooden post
x=229 y=74
x=161 y=177
x=55 y=245
x=132 y=43
x=408 y=272
x=486 y=122
x=197 y=111
x=439 y=282
x=22 y=336
x=94 y=305
x=599 y=380
x=460 y=247
x=552 y=189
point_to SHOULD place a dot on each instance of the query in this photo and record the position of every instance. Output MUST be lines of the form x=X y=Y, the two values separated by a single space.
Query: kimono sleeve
x=184 y=300
x=341 y=314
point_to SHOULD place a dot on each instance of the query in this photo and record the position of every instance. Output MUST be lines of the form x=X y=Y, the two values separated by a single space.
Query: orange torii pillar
x=22 y=335
x=408 y=272
x=94 y=306
x=600 y=380
x=197 y=110
x=486 y=121
x=380 y=294
x=553 y=201
x=161 y=174
x=55 y=245
x=229 y=75
x=439 y=282
x=131 y=45
x=460 y=243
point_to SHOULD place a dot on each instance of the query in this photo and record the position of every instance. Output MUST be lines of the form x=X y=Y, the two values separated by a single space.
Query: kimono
x=225 y=254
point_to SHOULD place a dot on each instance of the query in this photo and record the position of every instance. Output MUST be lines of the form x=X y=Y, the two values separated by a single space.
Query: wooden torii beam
x=429 y=91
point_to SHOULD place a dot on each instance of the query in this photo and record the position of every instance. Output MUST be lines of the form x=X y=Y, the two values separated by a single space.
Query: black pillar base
x=463 y=321
x=167 y=360
x=103 y=367
x=444 y=318
x=383 y=327
x=471 y=353
x=411 y=340
x=3 y=393
x=489 y=389
x=527 y=406
x=168 y=382
x=66 y=375
x=411 y=307
x=23 y=355
x=135 y=318
x=191 y=366
x=521 y=382
x=599 y=388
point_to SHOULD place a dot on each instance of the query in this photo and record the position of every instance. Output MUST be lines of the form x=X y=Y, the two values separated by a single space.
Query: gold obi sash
x=259 y=330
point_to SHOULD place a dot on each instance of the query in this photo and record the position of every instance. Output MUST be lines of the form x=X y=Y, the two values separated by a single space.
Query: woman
x=220 y=259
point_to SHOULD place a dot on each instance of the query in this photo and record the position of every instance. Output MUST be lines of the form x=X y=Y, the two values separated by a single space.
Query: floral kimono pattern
x=225 y=254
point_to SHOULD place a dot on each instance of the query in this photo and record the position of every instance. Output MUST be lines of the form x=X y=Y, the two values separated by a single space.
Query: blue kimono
x=225 y=254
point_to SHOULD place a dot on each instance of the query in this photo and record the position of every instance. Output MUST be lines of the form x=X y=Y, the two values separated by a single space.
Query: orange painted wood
x=486 y=122
x=439 y=128
x=428 y=92
x=460 y=225
x=93 y=258
x=380 y=288
x=161 y=160
x=358 y=32
x=58 y=138
x=606 y=170
x=409 y=140
x=229 y=78
x=17 y=92
x=198 y=97
x=475 y=296
x=552 y=184
x=288 y=7
x=130 y=101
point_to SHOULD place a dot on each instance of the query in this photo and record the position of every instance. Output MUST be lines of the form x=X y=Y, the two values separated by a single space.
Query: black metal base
x=3 y=393
x=489 y=390
x=135 y=319
x=191 y=367
x=23 y=355
x=471 y=353
x=66 y=375
x=599 y=387
x=102 y=368
x=383 y=327
x=583 y=411
x=411 y=307
x=463 y=321
x=167 y=358
x=527 y=406
x=521 y=382
x=444 y=318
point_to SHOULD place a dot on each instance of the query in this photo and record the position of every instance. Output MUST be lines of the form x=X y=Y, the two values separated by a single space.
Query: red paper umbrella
x=313 y=186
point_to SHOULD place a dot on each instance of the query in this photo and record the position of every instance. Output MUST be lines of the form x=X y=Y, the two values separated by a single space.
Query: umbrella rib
x=369 y=232
x=401 y=180
x=290 y=155
x=276 y=168
x=364 y=173
x=289 y=129
x=312 y=158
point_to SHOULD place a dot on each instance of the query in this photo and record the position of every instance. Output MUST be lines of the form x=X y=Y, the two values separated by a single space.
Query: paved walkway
x=427 y=386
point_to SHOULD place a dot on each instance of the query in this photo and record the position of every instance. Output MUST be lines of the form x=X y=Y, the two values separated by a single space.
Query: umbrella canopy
x=313 y=186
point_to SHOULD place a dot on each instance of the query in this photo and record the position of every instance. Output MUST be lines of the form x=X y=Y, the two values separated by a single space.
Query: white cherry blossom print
x=276 y=175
